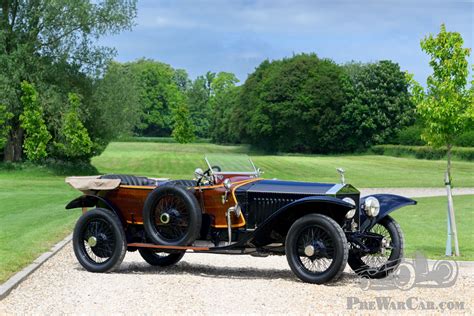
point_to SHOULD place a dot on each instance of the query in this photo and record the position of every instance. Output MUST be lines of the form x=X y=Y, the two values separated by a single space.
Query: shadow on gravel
x=202 y=270
x=184 y=268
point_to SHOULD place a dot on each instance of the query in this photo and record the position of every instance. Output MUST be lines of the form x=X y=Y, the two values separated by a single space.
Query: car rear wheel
x=316 y=249
x=172 y=216
x=99 y=241
x=386 y=260
x=161 y=259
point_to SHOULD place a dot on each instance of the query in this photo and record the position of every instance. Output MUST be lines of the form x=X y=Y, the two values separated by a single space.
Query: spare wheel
x=172 y=216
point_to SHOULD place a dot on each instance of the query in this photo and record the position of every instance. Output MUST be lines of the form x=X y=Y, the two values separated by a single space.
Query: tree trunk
x=448 y=167
x=13 y=149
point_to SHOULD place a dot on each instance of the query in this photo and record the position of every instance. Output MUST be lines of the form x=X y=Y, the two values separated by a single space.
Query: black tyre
x=172 y=216
x=99 y=241
x=381 y=264
x=316 y=249
x=161 y=259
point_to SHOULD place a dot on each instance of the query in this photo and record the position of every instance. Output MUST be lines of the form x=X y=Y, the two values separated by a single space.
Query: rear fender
x=88 y=200
x=388 y=204
x=282 y=219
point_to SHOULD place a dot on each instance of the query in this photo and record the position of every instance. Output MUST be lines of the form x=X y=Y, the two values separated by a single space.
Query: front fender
x=388 y=204
x=333 y=207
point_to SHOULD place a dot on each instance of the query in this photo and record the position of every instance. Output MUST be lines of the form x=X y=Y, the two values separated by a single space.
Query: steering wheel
x=207 y=173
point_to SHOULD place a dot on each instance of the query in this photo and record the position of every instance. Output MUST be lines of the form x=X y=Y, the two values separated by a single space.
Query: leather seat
x=126 y=179
x=184 y=183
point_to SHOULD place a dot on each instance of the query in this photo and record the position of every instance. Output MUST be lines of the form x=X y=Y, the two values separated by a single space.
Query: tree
x=183 y=130
x=75 y=141
x=198 y=95
x=294 y=104
x=157 y=90
x=4 y=127
x=378 y=104
x=224 y=99
x=32 y=122
x=37 y=34
x=181 y=79
x=115 y=103
x=446 y=106
x=225 y=122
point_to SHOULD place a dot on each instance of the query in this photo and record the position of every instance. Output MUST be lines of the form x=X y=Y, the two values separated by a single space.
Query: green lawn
x=179 y=161
x=32 y=216
x=424 y=226
x=32 y=199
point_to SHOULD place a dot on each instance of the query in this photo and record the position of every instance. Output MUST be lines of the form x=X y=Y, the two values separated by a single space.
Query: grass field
x=425 y=224
x=32 y=216
x=32 y=199
x=179 y=161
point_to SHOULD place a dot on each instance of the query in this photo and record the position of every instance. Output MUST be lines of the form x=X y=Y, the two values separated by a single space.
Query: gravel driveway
x=223 y=284
x=204 y=284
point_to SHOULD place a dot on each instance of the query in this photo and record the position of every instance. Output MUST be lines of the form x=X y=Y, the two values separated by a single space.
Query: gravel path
x=205 y=284
x=223 y=284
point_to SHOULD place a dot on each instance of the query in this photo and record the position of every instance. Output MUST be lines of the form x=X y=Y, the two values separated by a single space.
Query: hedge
x=423 y=152
x=145 y=139
x=411 y=136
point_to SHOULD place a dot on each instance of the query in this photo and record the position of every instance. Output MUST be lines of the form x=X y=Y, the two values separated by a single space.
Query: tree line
x=62 y=96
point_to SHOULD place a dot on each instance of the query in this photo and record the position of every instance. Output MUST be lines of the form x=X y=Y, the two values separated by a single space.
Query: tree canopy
x=378 y=104
x=41 y=41
x=446 y=106
x=62 y=96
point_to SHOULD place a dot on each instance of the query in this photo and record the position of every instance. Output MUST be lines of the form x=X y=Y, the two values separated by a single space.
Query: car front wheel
x=316 y=249
x=380 y=264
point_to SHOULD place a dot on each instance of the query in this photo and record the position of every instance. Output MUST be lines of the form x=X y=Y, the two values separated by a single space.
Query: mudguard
x=318 y=201
x=88 y=200
x=388 y=204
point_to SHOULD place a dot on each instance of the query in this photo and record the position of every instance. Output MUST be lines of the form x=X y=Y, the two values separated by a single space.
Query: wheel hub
x=384 y=245
x=165 y=218
x=309 y=250
x=92 y=241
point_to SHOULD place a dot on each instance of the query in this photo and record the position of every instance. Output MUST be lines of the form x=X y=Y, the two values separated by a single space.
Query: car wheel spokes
x=316 y=250
x=178 y=218
x=98 y=241
x=379 y=259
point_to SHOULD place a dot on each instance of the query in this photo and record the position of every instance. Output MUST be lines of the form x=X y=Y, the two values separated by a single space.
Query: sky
x=236 y=36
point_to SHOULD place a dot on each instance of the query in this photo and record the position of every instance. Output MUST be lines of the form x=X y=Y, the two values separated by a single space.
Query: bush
x=410 y=136
x=465 y=140
x=167 y=140
x=423 y=152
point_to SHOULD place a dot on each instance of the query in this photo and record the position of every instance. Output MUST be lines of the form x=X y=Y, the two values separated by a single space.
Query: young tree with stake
x=446 y=105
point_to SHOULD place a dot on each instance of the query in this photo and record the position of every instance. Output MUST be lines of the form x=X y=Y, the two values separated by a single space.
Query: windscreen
x=230 y=163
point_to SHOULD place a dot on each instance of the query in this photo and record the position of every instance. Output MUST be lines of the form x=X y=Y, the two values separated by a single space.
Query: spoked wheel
x=316 y=249
x=388 y=256
x=99 y=241
x=161 y=259
x=172 y=216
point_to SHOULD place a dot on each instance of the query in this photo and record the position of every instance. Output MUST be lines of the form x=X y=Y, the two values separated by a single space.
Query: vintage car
x=230 y=209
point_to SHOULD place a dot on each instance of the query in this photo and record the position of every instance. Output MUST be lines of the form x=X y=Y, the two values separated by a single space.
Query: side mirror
x=227 y=184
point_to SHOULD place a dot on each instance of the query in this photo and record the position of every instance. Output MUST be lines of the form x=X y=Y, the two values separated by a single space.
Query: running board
x=143 y=245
